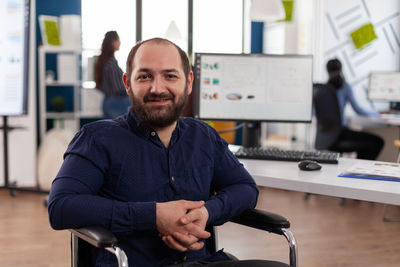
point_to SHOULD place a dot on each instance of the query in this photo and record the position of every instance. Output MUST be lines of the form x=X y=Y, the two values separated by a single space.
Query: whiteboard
x=14 y=40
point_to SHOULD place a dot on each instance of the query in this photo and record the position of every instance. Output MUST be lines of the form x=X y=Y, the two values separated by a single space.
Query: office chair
x=327 y=112
x=329 y=122
x=84 y=240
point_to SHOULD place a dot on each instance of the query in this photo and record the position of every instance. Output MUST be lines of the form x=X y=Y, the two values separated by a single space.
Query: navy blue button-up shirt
x=115 y=171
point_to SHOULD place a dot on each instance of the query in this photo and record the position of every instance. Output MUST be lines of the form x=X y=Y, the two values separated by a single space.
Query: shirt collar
x=147 y=133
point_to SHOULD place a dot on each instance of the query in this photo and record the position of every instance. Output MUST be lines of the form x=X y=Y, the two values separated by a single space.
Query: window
x=217 y=26
x=101 y=16
x=158 y=15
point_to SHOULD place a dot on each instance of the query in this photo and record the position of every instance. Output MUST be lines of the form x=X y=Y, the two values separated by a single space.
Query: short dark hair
x=334 y=68
x=132 y=53
x=334 y=65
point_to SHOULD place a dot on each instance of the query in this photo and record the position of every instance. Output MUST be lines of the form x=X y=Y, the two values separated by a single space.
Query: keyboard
x=286 y=155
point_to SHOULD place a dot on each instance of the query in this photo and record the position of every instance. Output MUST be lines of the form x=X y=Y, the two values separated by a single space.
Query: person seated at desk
x=108 y=78
x=147 y=175
x=366 y=145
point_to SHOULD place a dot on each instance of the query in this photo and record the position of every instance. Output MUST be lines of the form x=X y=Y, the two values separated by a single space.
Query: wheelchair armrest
x=262 y=220
x=96 y=236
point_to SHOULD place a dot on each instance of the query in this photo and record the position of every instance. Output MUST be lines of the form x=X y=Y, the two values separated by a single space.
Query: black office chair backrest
x=329 y=121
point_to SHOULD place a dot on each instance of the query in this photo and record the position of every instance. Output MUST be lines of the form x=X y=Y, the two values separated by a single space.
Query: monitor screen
x=384 y=86
x=253 y=87
x=14 y=45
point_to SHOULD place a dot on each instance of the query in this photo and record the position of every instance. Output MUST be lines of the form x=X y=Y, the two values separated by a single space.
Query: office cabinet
x=61 y=93
x=59 y=88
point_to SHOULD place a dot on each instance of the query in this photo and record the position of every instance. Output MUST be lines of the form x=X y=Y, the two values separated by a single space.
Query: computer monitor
x=385 y=86
x=253 y=87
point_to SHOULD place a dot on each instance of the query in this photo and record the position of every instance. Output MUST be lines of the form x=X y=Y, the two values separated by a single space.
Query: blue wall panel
x=257 y=36
x=54 y=8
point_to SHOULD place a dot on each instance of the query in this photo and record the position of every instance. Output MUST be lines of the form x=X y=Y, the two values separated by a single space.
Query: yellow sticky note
x=363 y=35
x=51 y=29
x=288 y=5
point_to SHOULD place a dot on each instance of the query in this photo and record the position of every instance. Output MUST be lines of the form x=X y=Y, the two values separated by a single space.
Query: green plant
x=57 y=103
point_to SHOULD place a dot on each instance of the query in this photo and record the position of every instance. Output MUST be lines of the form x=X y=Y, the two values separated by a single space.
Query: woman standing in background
x=108 y=78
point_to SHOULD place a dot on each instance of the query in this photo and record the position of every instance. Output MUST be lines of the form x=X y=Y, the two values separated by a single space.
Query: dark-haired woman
x=366 y=145
x=108 y=78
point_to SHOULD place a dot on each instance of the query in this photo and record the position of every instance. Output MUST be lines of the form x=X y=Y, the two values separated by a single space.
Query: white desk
x=286 y=175
x=381 y=121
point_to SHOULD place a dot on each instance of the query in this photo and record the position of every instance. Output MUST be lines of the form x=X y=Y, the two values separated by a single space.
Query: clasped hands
x=182 y=223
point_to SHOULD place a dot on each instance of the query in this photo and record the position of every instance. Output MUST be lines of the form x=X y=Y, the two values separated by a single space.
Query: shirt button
x=173 y=179
x=153 y=133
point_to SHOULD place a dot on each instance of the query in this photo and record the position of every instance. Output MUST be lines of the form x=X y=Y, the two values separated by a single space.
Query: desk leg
x=389 y=219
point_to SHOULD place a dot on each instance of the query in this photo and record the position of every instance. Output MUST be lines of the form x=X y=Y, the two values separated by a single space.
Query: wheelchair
x=83 y=238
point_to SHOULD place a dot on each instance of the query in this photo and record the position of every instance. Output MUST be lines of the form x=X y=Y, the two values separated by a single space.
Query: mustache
x=154 y=97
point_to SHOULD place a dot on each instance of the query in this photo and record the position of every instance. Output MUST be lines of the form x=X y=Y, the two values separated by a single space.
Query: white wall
x=295 y=37
x=22 y=142
x=310 y=32
x=341 y=17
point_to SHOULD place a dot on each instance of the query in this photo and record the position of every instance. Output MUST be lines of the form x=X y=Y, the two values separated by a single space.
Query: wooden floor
x=328 y=234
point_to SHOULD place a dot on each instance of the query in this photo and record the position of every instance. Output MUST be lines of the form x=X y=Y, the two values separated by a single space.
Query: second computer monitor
x=384 y=86
x=253 y=87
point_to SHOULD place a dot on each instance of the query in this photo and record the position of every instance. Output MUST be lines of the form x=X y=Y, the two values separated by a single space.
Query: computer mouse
x=309 y=165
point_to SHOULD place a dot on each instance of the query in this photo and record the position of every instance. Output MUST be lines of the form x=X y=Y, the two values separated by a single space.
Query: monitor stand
x=251 y=134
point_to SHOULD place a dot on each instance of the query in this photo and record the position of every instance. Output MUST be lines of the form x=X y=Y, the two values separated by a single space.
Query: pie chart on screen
x=234 y=96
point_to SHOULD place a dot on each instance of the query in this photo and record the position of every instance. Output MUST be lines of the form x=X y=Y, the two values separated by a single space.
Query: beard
x=158 y=117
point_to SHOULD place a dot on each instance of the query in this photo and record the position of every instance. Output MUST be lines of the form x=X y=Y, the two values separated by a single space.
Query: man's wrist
x=205 y=213
x=208 y=210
